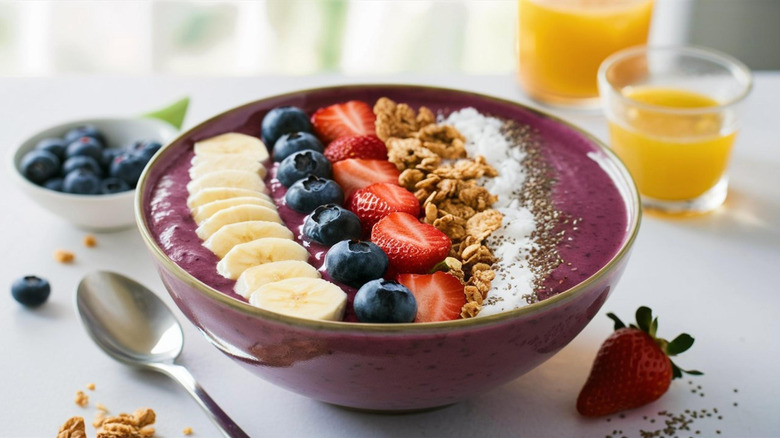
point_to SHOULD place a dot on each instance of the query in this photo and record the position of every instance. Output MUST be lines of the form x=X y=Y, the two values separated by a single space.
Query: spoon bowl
x=128 y=322
x=133 y=325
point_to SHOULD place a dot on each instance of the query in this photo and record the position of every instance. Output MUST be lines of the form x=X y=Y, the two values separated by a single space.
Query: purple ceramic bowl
x=391 y=367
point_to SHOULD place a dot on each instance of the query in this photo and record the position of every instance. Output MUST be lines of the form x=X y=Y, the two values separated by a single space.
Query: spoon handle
x=215 y=413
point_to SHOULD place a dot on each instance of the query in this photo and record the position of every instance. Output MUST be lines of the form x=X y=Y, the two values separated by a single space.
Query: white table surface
x=711 y=276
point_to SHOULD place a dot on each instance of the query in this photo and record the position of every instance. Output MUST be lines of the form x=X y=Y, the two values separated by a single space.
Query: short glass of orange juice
x=673 y=116
x=561 y=43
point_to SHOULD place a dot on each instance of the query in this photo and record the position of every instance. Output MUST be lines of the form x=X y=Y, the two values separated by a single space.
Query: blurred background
x=297 y=37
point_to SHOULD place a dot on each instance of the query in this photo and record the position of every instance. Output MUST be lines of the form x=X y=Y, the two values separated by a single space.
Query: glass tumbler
x=560 y=44
x=673 y=116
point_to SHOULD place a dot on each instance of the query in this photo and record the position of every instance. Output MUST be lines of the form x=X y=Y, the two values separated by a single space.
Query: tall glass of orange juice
x=673 y=119
x=562 y=42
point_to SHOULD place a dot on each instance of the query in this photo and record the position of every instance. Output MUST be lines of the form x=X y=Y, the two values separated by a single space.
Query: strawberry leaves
x=649 y=325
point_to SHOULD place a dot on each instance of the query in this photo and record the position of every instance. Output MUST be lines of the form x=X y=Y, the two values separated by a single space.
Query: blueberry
x=354 y=262
x=81 y=182
x=84 y=146
x=113 y=185
x=54 y=145
x=107 y=157
x=81 y=162
x=84 y=131
x=128 y=166
x=309 y=193
x=39 y=165
x=54 y=184
x=293 y=142
x=383 y=300
x=30 y=290
x=282 y=120
x=330 y=223
x=146 y=148
x=302 y=164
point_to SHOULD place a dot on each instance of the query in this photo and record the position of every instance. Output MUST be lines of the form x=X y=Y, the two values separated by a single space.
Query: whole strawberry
x=632 y=367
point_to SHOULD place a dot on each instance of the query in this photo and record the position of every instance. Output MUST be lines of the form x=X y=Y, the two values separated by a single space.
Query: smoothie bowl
x=532 y=220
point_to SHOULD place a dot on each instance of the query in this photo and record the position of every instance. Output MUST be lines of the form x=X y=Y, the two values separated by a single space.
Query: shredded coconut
x=512 y=242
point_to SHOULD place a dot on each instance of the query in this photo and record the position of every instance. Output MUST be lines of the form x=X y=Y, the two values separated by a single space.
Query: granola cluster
x=434 y=166
x=138 y=425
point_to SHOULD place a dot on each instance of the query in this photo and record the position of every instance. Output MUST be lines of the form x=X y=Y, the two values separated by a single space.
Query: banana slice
x=258 y=252
x=232 y=143
x=203 y=164
x=222 y=241
x=260 y=275
x=311 y=298
x=240 y=179
x=205 y=196
x=205 y=211
x=232 y=215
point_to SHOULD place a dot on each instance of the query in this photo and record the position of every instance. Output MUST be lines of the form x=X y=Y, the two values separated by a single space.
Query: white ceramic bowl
x=92 y=212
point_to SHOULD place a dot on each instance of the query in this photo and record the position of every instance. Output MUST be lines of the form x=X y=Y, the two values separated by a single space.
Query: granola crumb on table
x=90 y=241
x=435 y=167
x=81 y=399
x=64 y=256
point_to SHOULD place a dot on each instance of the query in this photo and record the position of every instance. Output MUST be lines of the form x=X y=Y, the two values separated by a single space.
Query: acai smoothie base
x=563 y=217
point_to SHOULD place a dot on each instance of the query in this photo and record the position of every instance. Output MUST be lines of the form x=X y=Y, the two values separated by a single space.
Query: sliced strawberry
x=411 y=246
x=342 y=120
x=439 y=295
x=369 y=147
x=355 y=173
x=380 y=199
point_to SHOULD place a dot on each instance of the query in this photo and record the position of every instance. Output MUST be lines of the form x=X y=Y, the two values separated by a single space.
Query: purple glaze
x=401 y=367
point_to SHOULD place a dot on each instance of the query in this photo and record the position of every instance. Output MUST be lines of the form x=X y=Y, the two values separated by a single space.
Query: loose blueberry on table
x=30 y=290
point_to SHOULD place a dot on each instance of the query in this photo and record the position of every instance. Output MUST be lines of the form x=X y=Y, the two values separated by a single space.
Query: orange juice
x=562 y=42
x=672 y=156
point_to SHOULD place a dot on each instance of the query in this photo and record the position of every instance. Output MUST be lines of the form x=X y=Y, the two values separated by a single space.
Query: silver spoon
x=134 y=326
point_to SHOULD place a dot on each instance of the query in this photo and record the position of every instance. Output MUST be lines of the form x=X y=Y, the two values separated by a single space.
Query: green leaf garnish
x=173 y=113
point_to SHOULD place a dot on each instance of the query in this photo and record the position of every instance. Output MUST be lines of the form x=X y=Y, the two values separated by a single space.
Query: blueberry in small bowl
x=66 y=168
